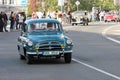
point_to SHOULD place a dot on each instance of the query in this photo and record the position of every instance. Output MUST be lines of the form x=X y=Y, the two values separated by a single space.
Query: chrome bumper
x=38 y=53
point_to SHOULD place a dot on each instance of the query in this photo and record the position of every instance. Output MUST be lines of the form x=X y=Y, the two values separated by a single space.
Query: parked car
x=109 y=17
x=44 y=38
x=78 y=17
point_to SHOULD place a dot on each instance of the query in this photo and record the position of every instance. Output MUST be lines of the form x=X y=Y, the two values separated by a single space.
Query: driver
x=50 y=26
x=32 y=27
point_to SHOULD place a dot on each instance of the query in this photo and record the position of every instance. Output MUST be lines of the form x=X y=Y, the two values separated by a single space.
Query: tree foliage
x=51 y=5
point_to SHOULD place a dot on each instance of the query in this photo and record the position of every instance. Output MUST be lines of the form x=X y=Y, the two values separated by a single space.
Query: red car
x=109 y=17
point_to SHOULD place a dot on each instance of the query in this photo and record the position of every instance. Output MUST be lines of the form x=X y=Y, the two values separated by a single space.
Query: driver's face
x=50 y=28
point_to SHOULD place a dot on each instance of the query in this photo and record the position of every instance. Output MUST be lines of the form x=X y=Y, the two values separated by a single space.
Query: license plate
x=51 y=53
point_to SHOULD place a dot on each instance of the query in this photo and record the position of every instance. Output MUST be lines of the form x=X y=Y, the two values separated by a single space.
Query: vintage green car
x=44 y=38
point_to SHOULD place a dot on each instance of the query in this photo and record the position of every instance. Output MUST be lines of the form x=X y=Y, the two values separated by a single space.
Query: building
x=11 y=5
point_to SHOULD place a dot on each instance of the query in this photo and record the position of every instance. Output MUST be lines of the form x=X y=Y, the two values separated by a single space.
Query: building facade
x=11 y=2
x=11 y=5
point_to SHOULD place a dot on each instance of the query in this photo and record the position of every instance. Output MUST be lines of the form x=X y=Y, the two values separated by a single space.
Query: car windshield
x=44 y=26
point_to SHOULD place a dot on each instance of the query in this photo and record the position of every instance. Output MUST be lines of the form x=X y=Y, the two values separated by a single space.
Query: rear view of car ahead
x=44 y=38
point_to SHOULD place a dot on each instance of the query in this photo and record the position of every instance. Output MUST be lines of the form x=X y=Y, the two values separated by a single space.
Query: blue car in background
x=44 y=38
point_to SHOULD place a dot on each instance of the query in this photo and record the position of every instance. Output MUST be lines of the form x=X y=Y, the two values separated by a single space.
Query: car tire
x=57 y=57
x=22 y=57
x=105 y=20
x=67 y=57
x=28 y=59
x=72 y=24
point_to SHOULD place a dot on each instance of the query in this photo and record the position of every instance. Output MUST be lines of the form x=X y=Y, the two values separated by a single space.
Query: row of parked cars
x=78 y=18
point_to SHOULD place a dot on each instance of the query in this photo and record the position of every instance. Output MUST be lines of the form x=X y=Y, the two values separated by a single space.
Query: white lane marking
x=109 y=38
x=97 y=69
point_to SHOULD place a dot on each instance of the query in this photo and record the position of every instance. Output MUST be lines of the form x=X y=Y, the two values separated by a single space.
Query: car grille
x=50 y=45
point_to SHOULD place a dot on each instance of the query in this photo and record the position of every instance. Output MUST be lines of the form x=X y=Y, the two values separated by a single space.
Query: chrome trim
x=31 y=52
x=70 y=51
x=49 y=47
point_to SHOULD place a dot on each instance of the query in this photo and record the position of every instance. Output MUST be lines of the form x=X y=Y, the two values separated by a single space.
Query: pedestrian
x=11 y=18
x=24 y=17
x=5 y=21
x=21 y=20
x=56 y=14
x=17 y=20
x=34 y=15
x=44 y=14
x=102 y=15
x=1 y=22
x=70 y=16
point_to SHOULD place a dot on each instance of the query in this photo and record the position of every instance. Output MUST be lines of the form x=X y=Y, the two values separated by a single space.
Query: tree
x=51 y=5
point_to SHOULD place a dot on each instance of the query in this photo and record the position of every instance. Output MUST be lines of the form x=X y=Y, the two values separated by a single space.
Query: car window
x=44 y=26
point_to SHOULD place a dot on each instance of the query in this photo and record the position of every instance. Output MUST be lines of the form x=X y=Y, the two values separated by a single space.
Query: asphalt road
x=95 y=57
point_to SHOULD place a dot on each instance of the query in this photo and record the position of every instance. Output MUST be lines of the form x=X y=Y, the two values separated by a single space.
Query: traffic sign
x=77 y=2
x=61 y=2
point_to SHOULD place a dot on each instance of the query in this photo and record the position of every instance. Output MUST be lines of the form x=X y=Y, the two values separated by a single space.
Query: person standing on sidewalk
x=21 y=20
x=70 y=16
x=17 y=20
x=1 y=22
x=5 y=21
x=11 y=18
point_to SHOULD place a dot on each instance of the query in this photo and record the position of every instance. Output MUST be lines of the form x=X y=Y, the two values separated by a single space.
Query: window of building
x=11 y=1
x=4 y=1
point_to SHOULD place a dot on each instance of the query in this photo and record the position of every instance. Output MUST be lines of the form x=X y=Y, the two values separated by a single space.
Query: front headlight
x=30 y=43
x=62 y=36
x=69 y=41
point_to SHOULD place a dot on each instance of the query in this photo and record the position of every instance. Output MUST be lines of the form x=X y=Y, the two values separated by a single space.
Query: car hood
x=49 y=36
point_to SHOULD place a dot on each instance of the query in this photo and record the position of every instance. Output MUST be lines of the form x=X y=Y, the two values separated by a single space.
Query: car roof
x=30 y=21
x=78 y=13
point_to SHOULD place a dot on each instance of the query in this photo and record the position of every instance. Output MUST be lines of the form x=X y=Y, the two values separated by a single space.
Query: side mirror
x=23 y=33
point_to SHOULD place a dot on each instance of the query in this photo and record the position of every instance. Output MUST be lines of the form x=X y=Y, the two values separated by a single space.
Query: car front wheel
x=28 y=59
x=22 y=57
x=67 y=57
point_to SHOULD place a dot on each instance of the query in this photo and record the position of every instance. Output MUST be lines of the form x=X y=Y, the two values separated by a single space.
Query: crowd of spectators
x=15 y=20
